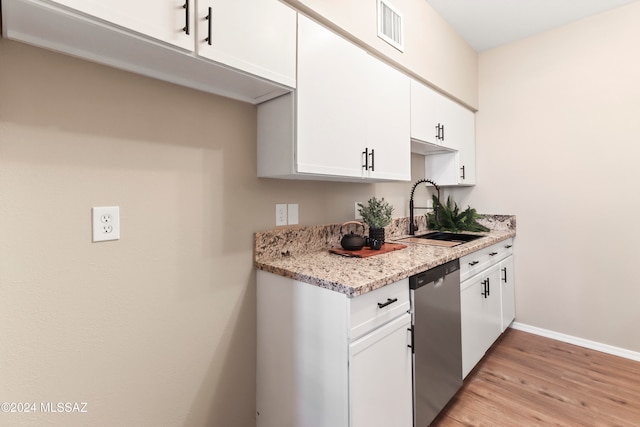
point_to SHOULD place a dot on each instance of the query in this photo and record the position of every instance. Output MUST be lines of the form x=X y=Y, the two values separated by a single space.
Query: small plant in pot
x=377 y=215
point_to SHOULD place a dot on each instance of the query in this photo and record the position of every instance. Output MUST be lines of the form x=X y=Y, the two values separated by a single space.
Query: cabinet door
x=464 y=138
x=164 y=20
x=457 y=167
x=451 y=117
x=481 y=316
x=424 y=116
x=331 y=94
x=257 y=36
x=508 y=292
x=388 y=121
x=380 y=377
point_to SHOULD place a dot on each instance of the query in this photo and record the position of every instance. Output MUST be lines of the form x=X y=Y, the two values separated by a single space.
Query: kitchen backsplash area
x=285 y=242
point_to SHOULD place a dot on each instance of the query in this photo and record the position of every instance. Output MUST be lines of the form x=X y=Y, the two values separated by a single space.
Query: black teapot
x=352 y=242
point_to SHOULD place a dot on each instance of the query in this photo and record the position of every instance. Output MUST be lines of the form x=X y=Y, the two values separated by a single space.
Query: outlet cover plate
x=106 y=223
x=357 y=213
x=281 y=214
x=292 y=213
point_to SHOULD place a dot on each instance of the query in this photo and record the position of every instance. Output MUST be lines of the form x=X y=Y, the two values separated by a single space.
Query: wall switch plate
x=292 y=213
x=106 y=223
x=281 y=214
x=357 y=214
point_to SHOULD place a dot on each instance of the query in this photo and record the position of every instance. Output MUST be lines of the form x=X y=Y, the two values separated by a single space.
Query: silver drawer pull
x=389 y=301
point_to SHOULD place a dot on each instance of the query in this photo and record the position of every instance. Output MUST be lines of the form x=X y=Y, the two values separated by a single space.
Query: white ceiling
x=485 y=24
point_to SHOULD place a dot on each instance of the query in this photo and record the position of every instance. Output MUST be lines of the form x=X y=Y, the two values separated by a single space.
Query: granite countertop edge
x=357 y=276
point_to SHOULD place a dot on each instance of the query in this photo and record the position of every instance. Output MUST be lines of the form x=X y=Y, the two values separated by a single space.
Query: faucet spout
x=412 y=225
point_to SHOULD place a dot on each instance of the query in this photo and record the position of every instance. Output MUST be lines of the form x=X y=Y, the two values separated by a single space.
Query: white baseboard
x=605 y=348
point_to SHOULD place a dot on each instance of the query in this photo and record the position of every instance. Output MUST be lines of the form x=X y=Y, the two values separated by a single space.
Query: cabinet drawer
x=378 y=307
x=505 y=248
x=475 y=262
x=500 y=251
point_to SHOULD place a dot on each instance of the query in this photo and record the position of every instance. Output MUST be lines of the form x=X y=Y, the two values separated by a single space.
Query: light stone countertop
x=302 y=253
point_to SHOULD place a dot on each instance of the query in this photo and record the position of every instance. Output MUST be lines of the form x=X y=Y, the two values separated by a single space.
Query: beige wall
x=158 y=328
x=558 y=144
x=433 y=51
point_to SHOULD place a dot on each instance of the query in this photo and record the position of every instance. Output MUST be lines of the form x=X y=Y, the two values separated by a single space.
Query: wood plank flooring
x=528 y=380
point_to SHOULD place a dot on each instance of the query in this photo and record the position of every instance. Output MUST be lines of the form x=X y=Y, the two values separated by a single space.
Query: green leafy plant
x=377 y=213
x=450 y=218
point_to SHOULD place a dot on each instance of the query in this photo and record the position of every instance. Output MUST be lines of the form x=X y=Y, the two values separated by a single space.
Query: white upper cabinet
x=331 y=127
x=388 y=122
x=444 y=131
x=257 y=36
x=251 y=57
x=170 y=21
x=347 y=120
x=426 y=122
x=458 y=167
x=438 y=121
x=466 y=147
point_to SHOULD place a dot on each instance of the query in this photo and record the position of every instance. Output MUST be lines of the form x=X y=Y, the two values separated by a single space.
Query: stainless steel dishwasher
x=436 y=343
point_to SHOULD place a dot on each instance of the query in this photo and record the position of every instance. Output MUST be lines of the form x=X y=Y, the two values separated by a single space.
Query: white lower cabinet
x=481 y=316
x=487 y=303
x=379 y=363
x=507 y=294
x=326 y=360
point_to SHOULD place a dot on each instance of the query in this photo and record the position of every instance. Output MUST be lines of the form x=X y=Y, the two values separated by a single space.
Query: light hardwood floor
x=528 y=380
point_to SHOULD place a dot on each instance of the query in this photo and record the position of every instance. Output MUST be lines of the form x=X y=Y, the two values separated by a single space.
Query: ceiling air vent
x=390 y=25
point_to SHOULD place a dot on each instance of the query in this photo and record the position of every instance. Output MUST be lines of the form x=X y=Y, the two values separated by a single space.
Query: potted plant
x=448 y=217
x=377 y=215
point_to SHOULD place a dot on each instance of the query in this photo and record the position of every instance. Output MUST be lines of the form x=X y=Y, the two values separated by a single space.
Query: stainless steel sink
x=442 y=238
x=449 y=237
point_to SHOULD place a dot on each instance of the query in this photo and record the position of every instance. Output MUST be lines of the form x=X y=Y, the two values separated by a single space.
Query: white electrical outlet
x=106 y=223
x=292 y=213
x=357 y=214
x=281 y=214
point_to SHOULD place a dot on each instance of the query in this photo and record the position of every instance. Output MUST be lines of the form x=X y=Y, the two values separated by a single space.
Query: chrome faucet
x=412 y=225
